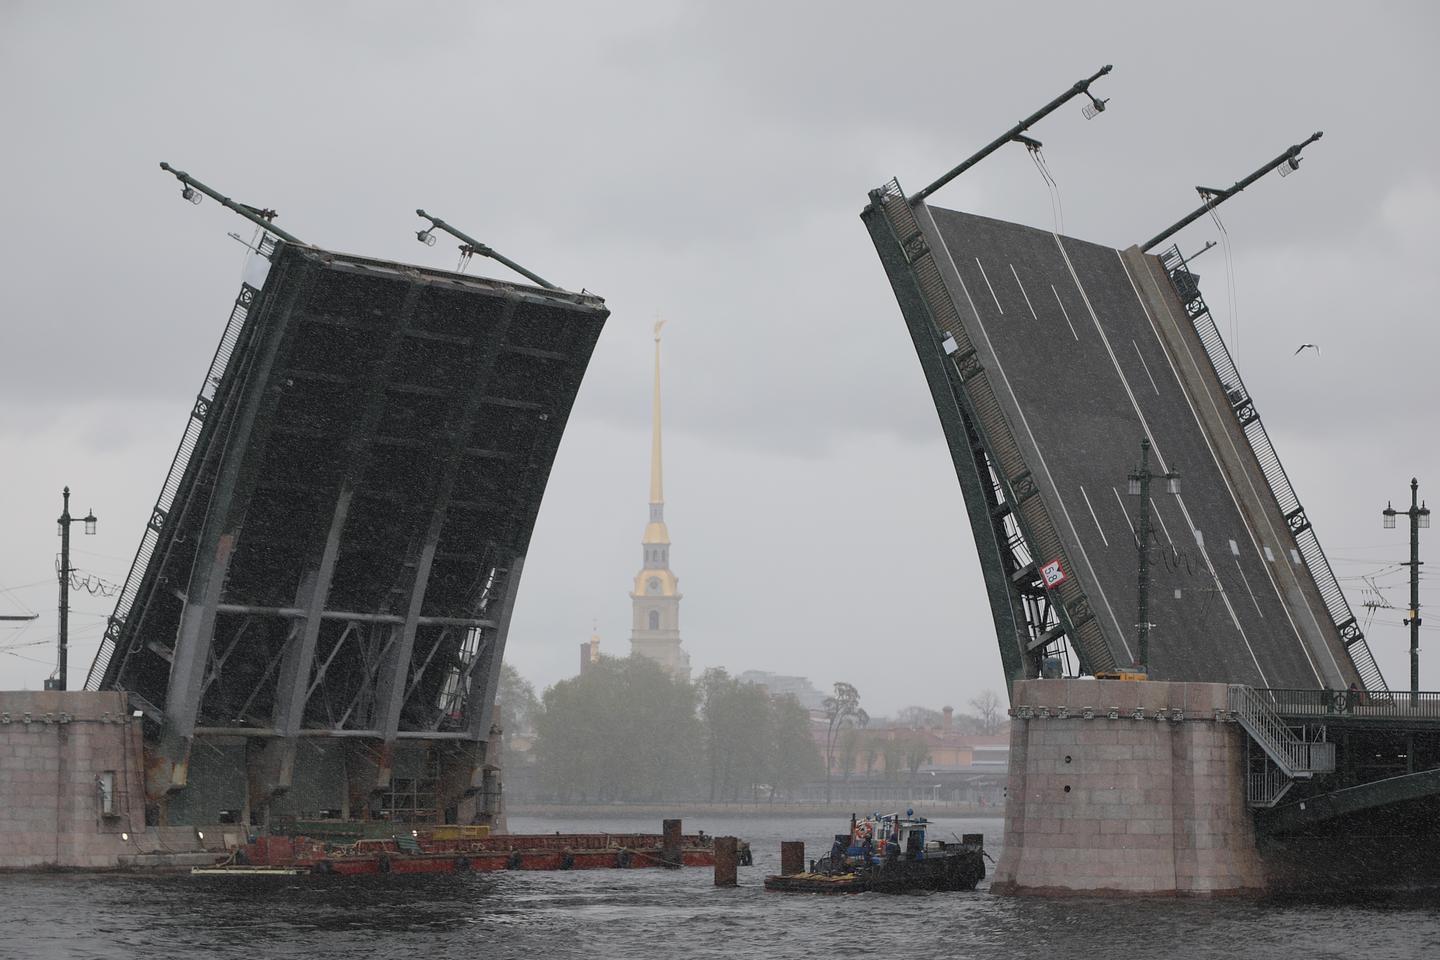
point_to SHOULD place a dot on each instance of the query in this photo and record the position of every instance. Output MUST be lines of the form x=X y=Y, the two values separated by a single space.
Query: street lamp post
x=59 y=682
x=1419 y=515
x=1140 y=487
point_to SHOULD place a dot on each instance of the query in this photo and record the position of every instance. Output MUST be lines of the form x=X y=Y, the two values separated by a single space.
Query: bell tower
x=655 y=632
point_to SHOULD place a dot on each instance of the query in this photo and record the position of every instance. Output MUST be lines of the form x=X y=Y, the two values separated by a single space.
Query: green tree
x=738 y=734
x=842 y=711
x=891 y=752
x=517 y=702
x=625 y=730
x=851 y=742
x=870 y=752
x=794 y=758
x=916 y=750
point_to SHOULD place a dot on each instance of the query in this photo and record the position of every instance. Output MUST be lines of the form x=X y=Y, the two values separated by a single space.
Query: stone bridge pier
x=1126 y=788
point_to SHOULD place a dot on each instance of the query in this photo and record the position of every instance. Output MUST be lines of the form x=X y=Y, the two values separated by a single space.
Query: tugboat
x=889 y=854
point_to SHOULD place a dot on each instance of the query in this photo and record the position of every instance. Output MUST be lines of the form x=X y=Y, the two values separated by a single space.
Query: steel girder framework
x=337 y=549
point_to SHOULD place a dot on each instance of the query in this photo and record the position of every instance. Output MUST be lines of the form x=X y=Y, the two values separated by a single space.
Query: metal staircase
x=1286 y=756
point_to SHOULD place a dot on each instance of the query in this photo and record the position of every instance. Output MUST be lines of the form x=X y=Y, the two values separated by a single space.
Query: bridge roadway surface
x=1081 y=361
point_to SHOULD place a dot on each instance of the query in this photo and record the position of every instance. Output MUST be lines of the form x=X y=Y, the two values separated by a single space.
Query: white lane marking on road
x=1155 y=509
x=1093 y=517
x=987 y=283
x=1145 y=365
x=1023 y=293
x=1065 y=313
x=1159 y=457
x=1254 y=540
x=1133 y=535
x=1045 y=466
x=1246 y=580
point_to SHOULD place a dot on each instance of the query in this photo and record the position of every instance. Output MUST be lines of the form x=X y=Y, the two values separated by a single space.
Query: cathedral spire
x=657 y=485
x=656 y=597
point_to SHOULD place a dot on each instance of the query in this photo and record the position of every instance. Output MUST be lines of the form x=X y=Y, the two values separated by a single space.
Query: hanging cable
x=1057 y=209
x=1231 y=297
x=1059 y=203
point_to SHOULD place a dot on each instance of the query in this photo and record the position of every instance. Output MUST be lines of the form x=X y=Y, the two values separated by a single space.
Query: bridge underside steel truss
x=335 y=555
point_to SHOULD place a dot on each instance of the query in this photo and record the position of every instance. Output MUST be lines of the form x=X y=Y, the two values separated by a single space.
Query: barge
x=453 y=851
x=889 y=854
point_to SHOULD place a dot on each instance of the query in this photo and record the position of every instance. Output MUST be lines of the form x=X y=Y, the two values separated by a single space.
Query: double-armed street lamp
x=1139 y=486
x=1419 y=515
x=59 y=681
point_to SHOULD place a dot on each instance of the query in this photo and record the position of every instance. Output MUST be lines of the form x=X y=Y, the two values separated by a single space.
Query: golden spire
x=655 y=532
x=657 y=487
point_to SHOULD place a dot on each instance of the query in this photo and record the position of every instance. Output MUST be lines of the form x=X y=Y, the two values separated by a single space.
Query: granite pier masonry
x=1100 y=802
x=72 y=788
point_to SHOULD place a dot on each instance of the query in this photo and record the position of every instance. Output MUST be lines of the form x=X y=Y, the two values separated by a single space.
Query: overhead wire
x=21 y=656
x=93 y=585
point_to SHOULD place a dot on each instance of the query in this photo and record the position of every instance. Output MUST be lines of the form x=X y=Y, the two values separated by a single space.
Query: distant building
x=655 y=632
x=957 y=767
x=778 y=685
x=590 y=652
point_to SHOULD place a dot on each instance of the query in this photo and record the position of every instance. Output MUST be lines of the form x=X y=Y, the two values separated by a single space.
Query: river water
x=636 y=914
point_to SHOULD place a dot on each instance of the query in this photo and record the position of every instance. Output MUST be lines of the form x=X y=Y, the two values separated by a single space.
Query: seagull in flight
x=1302 y=346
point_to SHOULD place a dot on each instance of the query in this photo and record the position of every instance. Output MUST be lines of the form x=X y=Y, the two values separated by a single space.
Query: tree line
x=626 y=730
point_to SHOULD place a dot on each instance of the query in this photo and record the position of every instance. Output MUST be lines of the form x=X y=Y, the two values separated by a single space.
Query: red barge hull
x=406 y=855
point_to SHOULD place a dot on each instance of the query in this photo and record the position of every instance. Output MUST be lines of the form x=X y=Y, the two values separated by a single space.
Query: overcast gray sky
x=708 y=162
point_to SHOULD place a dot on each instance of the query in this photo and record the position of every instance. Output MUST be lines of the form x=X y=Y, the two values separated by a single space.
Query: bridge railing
x=1187 y=286
x=166 y=501
x=1354 y=704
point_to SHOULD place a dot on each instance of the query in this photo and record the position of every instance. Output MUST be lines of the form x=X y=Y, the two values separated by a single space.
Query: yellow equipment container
x=460 y=831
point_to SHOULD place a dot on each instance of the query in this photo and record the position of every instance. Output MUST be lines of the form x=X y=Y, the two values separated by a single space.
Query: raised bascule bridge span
x=315 y=619
x=1049 y=360
x=1075 y=384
